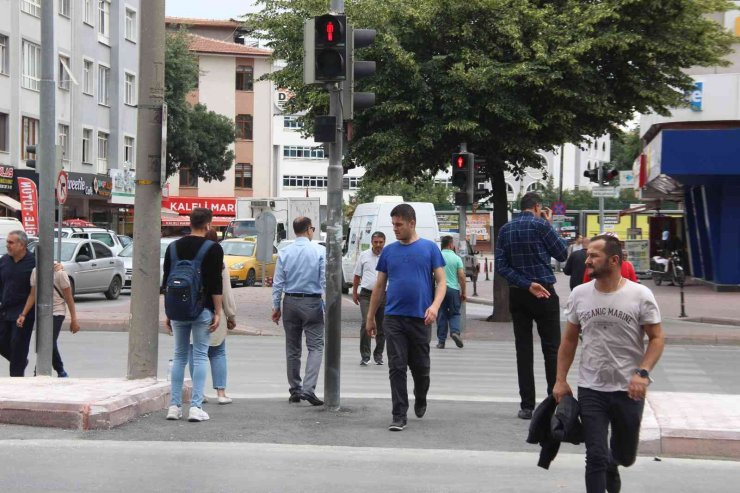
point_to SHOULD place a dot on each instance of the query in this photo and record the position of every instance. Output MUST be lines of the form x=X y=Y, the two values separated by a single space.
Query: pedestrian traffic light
x=592 y=175
x=357 y=69
x=479 y=180
x=31 y=149
x=330 y=48
x=607 y=176
x=463 y=177
x=601 y=175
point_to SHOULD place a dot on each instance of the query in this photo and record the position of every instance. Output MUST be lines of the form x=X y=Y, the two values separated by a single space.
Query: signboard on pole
x=29 y=198
x=266 y=225
x=559 y=209
x=606 y=192
x=638 y=252
x=61 y=188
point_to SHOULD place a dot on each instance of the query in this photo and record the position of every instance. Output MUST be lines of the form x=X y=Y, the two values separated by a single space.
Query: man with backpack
x=192 y=281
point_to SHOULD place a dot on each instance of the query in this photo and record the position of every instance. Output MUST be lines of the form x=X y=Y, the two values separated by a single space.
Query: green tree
x=507 y=77
x=196 y=138
x=625 y=147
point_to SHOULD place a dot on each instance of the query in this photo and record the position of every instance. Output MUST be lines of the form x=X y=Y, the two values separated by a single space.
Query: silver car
x=127 y=256
x=92 y=267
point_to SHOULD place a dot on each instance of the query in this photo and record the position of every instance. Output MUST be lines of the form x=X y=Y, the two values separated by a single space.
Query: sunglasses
x=312 y=228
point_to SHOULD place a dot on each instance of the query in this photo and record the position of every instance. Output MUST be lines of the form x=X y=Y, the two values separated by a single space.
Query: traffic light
x=592 y=175
x=479 y=178
x=31 y=149
x=609 y=175
x=606 y=175
x=325 y=49
x=463 y=177
x=357 y=69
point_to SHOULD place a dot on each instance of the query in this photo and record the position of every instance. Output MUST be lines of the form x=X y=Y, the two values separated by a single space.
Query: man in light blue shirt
x=300 y=275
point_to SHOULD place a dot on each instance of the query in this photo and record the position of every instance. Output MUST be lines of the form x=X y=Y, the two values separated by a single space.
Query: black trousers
x=526 y=309
x=14 y=343
x=407 y=340
x=598 y=411
x=56 y=358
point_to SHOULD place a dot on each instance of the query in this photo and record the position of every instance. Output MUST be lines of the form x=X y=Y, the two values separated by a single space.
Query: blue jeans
x=448 y=317
x=182 y=330
x=217 y=357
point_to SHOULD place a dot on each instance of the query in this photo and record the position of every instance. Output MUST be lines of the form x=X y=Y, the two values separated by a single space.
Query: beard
x=597 y=272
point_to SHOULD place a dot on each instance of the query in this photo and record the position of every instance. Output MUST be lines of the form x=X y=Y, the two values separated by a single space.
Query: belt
x=304 y=295
x=546 y=286
x=366 y=291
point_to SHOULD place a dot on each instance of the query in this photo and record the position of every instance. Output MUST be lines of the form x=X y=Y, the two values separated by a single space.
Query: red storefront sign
x=221 y=206
x=29 y=205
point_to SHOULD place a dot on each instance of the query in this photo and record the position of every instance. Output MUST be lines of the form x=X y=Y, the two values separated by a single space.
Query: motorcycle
x=667 y=269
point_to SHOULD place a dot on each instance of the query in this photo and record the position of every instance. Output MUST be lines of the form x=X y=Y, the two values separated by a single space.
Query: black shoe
x=294 y=398
x=312 y=399
x=379 y=361
x=364 y=362
x=457 y=339
x=440 y=345
x=613 y=481
x=525 y=414
x=397 y=425
x=420 y=407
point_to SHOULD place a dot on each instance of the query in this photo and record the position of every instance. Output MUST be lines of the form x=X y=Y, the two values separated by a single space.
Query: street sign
x=611 y=219
x=606 y=192
x=266 y=225
x=61 y=189
x=626 y=179
x=634 y=231
x=559 y=209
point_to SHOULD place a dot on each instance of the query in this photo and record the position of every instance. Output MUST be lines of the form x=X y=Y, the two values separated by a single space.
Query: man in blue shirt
x=300 y=274
x=412 y=303
x=15 y=285
x=523 y=251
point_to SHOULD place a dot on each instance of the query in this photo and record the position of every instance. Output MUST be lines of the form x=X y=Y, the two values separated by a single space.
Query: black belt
x=366 y=291
x=304 y=295
x=546 y=286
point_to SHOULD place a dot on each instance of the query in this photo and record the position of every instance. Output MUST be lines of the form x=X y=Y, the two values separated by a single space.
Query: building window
x=104 y=18
x=4 y=55
x=103 y=85
x=533 y=187
x=130 y=91
x=303 y=152
x=102 y=151
x=244 y=78
x=65 y=7
x=89 y=14
x=291 y=122
x=244 y=127
x=131 y=25
x=87 y=146
x=128 y=151
x=4 y=137
x=29 y=134
x=509 y=189
x=31 y=66
x=317 y=182
x=188 y=178
x=243 y=175
x=64 y=73
x=32 y=7
x=88 y=81
x=351 y=182
x=64 y=141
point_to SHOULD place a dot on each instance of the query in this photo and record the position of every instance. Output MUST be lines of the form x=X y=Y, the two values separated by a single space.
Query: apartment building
x=96 y=46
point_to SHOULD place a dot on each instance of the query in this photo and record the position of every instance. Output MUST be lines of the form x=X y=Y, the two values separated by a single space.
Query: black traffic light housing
x=479 y=177
x=463 y=176
x=330 y=48
x=607 y=175
x=592 y=175
x=31 y=149
x=357 y=69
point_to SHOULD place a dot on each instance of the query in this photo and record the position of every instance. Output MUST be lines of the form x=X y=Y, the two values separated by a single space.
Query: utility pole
x=334 y=278
x=45 y=167
x=601 y=200
x=143 y=342
x=462 y=229
x=562 y=162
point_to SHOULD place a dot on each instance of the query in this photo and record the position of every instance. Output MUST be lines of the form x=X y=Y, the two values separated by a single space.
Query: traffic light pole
x=462 y=229
x=601 y=201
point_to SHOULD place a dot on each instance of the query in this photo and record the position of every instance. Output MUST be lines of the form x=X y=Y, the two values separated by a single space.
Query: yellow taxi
x=240 y=257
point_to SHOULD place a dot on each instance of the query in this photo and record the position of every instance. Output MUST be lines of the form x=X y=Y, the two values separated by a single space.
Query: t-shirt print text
x=587 y=315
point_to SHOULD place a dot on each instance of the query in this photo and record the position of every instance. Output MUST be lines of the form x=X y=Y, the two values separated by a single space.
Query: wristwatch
x=644 y=374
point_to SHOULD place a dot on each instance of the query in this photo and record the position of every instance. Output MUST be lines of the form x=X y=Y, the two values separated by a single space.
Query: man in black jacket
x=575 y=267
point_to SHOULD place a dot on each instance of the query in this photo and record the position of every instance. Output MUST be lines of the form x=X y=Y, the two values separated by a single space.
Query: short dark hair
x=378 y=234
x=447 y=241
x=404 y=211
x=200 y=217
x=301 y=224
x=530 y=201
x=612 y=246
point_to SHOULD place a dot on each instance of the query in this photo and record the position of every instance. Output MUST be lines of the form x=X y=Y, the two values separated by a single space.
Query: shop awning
x=10 y=203
x=218 y=221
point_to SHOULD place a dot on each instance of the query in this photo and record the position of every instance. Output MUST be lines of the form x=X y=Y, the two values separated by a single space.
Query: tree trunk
x=500 y=217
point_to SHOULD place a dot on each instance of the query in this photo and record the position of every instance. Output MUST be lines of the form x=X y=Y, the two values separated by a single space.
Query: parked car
x=106 y=236
x=8 y=224
x=240 y=257
x=92 y=267
x=127 y=257
x=125 y=240
x=470 y=259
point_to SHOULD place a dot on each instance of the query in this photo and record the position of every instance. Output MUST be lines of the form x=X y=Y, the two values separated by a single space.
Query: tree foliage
x=419 y=190
x=625 y=147
x=196 y=138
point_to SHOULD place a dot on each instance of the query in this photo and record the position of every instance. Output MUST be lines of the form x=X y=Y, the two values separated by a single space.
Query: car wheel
x=114 y=290
x=251 y=278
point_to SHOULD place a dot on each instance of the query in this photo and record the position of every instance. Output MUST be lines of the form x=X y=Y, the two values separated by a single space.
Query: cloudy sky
x=213 y=9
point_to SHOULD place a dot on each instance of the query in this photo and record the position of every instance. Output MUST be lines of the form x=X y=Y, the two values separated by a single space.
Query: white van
x=8 y=224
x=376 y=216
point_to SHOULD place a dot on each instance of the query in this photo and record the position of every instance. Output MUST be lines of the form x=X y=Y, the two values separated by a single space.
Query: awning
x=10 y=203
x=218 y=221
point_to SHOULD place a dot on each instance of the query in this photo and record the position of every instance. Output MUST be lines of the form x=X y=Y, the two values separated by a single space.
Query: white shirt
x=365 y=268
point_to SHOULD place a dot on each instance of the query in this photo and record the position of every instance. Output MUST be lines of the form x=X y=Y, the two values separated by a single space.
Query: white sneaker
x=224 y=400
x=197 y=414
x=174 y=413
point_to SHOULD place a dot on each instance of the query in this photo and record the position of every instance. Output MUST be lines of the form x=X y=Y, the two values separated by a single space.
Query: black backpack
x=184 y=295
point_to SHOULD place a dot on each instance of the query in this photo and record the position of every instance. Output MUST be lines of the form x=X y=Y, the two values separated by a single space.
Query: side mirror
x=82 y=258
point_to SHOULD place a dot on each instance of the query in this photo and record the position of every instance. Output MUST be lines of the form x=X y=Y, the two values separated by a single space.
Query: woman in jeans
x=217 y=343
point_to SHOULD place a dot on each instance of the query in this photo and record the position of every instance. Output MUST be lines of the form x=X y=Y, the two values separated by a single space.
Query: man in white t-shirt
x=614 y=314
x=364 y=279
